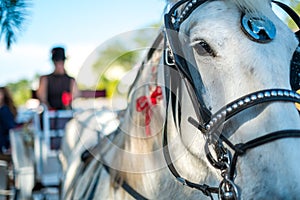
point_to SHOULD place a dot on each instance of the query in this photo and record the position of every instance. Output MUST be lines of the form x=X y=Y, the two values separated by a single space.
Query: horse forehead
x=214 y=10
x=221 y=20
x=210 y=18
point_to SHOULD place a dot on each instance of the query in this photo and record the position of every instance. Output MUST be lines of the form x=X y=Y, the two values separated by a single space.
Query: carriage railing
x=49 y=130
x=21 y=139
x=35 y=148
x=5 y=191
x=54 y=122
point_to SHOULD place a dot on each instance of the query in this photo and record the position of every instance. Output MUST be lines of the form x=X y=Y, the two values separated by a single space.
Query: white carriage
x=33 y=169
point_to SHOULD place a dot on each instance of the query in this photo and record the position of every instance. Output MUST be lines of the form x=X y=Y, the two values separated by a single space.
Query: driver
x=57 y=89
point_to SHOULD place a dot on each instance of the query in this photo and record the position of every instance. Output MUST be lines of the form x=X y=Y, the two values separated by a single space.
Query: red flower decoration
x=144 y=104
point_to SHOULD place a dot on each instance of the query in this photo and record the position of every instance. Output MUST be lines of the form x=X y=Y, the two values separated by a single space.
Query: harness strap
x=127 y=187
x=241 y=149
x=87 y=155
x=205 y=189
x=290 y=12
x=210 y=131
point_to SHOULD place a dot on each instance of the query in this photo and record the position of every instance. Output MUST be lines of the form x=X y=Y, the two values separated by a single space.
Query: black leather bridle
x=207 y=122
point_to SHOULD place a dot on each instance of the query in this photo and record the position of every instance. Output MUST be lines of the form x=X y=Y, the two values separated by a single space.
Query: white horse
x=176 y=140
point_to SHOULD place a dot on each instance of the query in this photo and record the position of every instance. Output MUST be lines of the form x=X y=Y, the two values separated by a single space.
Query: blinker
x=259 y=29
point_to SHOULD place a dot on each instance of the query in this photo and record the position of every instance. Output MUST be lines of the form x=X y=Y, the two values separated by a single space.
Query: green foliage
x=109 y=85
x=123 y=51
x=116 y=53
x=21 y=91
x=291 y=23
x=110 y=81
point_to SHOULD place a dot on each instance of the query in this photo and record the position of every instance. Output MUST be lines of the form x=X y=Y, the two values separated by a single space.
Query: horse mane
x=136 y=143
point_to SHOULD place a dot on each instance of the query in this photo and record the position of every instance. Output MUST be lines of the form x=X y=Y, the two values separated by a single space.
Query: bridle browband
x=208 y=123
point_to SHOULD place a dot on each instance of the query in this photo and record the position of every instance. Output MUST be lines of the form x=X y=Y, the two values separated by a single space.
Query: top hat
x=58 y=54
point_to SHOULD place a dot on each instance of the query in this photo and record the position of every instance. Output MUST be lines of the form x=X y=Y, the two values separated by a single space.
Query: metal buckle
x=168 y=57
x=228 y=190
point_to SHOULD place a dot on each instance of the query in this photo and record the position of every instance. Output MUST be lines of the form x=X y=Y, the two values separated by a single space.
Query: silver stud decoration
x=224 y=113
x=280 y=93
x=260 y=95
x=235 y=106
x=286 y=93
x=252 y=98
x=267 y=94
x=247 y=100
x=185 y=11
x=274 y=93
x=241 y=102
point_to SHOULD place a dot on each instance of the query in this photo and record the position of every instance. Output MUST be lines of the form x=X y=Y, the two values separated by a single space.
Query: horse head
x=240 y=52
x=211 y=105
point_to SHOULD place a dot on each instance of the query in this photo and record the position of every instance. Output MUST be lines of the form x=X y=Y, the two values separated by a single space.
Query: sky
x=79 y=26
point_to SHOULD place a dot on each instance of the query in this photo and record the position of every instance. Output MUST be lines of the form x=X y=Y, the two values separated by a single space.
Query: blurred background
x=103 y=40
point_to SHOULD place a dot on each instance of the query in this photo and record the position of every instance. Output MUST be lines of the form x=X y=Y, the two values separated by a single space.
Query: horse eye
x=203 y=49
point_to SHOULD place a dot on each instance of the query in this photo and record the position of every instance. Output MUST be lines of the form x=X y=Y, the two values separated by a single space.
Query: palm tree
x=12 y=16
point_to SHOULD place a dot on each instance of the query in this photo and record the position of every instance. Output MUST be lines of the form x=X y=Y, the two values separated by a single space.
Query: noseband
x=209 y=124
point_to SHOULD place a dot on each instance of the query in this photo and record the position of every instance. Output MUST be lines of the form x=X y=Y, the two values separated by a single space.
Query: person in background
x=8 y=113
x=56 y=90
